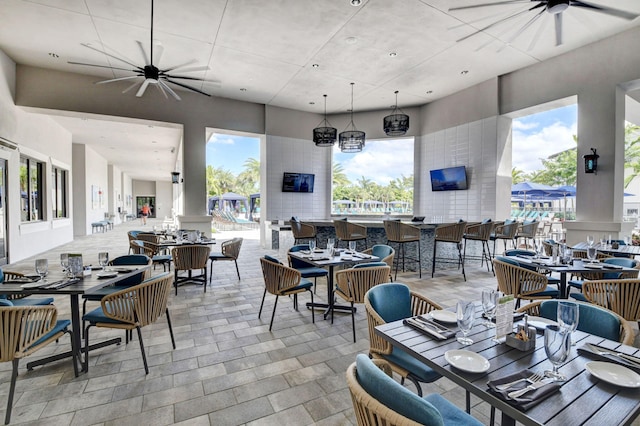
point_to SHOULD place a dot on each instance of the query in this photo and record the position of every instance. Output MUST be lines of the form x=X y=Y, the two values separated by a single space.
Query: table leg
x=563 y=285
x=507 y=421
x=330 y=305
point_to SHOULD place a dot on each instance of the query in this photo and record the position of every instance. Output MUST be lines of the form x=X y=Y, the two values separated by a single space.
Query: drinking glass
x=42 y=267
x=103 y=259
x=603 y=242
x=590 y=240
x=489 y=304
x=330 y=245
x=464 y=315
x=591 y=253
x=64 y=261
x=312 y=245
x=568 y=316
x=352 y=246
x=556 y=345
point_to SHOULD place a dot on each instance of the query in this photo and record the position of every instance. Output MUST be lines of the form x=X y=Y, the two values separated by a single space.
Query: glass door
x=148 y=201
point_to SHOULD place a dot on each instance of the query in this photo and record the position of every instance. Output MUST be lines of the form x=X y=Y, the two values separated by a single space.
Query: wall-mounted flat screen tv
x=297 y=182
x=449 y=179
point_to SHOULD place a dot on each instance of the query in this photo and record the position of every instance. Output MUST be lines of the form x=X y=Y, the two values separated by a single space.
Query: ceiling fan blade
x=608 y=10
x=102 y=66
x=117 y=79
x=170 y=90
x=497 y=3
x=145 y=58
x=493 y=24
x=558 y=21
x=161 y=89
x=187 y=87
x=142 y=88
x=538 y=34
x=109 y=54
x=177 y=67
x=131 y=87
x=192 y=69
x=525 y=26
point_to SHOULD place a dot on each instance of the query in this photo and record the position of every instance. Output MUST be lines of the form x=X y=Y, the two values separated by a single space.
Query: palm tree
x=339 y=177
x=631 y=153
x=518 y=175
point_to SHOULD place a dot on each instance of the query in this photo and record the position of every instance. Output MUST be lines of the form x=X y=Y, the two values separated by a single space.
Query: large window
x=31 y=189
x=376 y=181
x=59 y=192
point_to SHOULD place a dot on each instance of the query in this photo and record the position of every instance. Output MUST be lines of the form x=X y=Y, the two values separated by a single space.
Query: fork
x=624 y=356
x=536 y=377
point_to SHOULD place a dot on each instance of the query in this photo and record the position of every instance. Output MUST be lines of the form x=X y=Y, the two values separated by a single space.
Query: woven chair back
x=518 y=281
x=398 y=232
x=278 y=278
x=451 y=233
x=353 y=284
x=619 y=296
x=231 y=248
x=192 y=256
x=22 y=326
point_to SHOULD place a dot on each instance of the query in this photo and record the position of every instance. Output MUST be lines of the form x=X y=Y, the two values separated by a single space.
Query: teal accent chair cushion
x=381 y=250
x=6 y=302
x=369 y=265
x=61 y=325
x=272 y=259
x=432 y=410
x=592 y=319
x=306 y=270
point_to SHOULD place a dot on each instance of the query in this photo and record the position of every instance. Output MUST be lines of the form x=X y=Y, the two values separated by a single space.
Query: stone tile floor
x=227 y=369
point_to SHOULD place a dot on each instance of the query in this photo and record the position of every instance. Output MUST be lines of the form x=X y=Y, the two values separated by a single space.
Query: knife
x=531 y=387
x=635 y=361
x=424 y=327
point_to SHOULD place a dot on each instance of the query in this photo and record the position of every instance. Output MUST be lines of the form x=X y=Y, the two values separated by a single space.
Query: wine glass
x=42 y=267
x=556 y=345
x=568 y=316
x=352 y=246
x=489 y=304
x=312 y=245
x=590 y=240
x=591 y=253
x=103 y=259
x=64 y=261
x=464 y=315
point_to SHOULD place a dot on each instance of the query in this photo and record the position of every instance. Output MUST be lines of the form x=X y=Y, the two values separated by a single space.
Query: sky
x=541 y=135
x=380 y=161
x=230 y=152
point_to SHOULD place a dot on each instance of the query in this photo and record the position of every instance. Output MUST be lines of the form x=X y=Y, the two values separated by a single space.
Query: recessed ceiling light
x=54 y=55
x=150 y=126
x=316 y=65
x=312 y=103
x=464 y=72
x=351 y=40
x=393 y=54
x=429 y=92
x=154 y=141
x=243 y=89
x=356 y=2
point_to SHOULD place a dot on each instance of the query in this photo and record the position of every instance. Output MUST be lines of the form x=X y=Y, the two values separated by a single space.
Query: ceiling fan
x=554 y=7
x=150 y=73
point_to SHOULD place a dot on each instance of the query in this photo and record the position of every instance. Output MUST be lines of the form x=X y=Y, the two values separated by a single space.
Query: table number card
x=504 y=317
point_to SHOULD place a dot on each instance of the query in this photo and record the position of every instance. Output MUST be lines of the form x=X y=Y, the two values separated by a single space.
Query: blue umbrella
x=529 y=188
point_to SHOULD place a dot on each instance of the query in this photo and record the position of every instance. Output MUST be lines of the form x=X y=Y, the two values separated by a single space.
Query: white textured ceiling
x=268 y=47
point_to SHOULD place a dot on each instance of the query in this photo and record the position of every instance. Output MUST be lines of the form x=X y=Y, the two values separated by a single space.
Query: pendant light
x=325 y=134
x=352 y=139
x=397 y=123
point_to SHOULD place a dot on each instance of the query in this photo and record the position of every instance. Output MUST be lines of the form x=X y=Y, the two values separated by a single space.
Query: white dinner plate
x=593 y=266
x=468 y=361
x=444 y=316
x=540 y=323
x=107 y=274
x=33 y=285
x=614 y=374
x=123 y=269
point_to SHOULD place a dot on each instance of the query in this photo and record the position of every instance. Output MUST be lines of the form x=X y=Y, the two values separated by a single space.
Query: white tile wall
x=473 y=145
x=297 y=156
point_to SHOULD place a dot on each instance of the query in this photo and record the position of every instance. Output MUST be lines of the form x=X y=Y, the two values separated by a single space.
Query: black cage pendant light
x=352 y=139
x=397 y=123
x=324 y=134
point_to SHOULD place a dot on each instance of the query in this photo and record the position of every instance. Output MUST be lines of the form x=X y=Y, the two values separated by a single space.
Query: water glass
x=591 y=253
x=568 y=316
x=465 y=311
x=42 y=267
x=556 y=345
x=489 y=304
x=352 y=246
x=312 y=245
x=103 y=259
x=64 y=261
x=330 y=245
x=590 y=240
x=75 y=265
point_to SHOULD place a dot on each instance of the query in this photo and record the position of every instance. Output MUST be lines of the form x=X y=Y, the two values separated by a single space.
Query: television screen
x=297 y=182
x=449 y=179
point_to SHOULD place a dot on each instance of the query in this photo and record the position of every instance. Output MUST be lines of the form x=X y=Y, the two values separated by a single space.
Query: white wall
x=128 y=206
x=164 y=199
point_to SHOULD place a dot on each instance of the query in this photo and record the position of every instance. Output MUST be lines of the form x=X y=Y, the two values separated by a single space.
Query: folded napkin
x=587 y=350
x=529 y=399
x=320 y=257
x=429 y=327
x=361 y=256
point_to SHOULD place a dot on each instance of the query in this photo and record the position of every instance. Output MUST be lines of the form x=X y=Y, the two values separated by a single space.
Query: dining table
x=74 y=288
x=622 y=250
x=323 y=259
x=582 y=399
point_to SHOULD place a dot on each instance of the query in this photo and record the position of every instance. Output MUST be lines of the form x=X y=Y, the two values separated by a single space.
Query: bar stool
x=505 y=231
x=302 y=232
x=451 y=233
x=401 y=234
x=479 y=232
x=527 y=231
x=348 y=231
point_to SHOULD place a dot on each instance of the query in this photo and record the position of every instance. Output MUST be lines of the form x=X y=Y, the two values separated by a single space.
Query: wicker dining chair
x=17 y=340
x=452 y=234
x=189 y=258
x=352 y=284
x=21 y=299
x=281 y=280
x=153 y=251
x=132 y=308
x=521 y=282
x=229 y=251
x=385 y=253
x=621 y=296
x=302 y=232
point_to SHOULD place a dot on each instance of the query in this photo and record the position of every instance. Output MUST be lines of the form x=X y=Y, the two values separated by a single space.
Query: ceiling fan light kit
x=397 y=123
x=352 y=139
x=325 y=134
x=150 y=73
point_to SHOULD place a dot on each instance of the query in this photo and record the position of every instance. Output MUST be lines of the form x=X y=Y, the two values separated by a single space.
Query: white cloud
x=529 y=148
x=520 y=125
x=381 y=161
x=221 y=140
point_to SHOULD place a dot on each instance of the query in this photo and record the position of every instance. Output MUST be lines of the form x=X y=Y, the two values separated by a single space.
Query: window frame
x=60 y=192
x=40 y=166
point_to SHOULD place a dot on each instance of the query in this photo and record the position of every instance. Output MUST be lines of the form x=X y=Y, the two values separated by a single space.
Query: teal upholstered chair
x=392 y=302
x=380 y=400
x=306 y=269
x=384 y=252
x=20 y=299
x=593 y=319
x=522 y=282
x=609 y=275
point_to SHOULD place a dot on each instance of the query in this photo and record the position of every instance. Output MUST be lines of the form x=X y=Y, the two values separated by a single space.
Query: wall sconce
x=175 y=177
x=591 y=162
